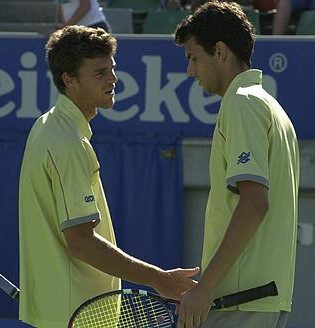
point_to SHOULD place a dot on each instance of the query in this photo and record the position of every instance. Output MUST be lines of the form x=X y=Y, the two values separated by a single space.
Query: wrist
x=207 y=284
x=155 y=276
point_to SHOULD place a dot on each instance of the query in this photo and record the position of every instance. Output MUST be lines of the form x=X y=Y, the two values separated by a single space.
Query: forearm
x=106 y=257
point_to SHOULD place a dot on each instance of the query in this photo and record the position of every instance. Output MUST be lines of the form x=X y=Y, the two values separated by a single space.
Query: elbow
x=263 y=208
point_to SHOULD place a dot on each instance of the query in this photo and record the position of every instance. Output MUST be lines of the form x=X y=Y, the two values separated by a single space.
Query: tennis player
x=251 y=215
x=68 y=252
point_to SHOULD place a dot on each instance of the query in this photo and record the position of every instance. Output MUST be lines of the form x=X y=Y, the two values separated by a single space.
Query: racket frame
x=9 y=288
x=126 y=291
x=230 y=300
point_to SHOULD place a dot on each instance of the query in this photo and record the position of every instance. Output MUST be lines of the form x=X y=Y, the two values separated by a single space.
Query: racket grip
x=9 y=288
x=246 y=296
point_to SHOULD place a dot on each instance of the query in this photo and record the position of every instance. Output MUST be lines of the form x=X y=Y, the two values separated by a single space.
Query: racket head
x=122 y=309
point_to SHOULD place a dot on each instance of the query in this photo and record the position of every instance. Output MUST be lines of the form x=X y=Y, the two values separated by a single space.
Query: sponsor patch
x=243 y=158
x=89 y=198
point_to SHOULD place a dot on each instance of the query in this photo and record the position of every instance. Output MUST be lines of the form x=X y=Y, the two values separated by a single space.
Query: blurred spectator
x=244 y=3
x=82 y=12
x=264 y=5
x=171 y=4
x=285 y=9
x=196 y=3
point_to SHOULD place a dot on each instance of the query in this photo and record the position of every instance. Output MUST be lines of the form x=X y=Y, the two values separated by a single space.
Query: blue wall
x=154 y=94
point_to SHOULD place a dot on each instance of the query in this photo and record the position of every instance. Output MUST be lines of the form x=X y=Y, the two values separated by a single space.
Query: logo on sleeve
x=89 y=198
x=243 y=158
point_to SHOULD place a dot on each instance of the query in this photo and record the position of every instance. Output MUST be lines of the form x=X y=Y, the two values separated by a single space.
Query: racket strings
x=142 y=311
x=100 y=313
x=124 y=311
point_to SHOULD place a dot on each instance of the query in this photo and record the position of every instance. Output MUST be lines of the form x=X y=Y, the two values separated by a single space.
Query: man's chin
x=108 y=104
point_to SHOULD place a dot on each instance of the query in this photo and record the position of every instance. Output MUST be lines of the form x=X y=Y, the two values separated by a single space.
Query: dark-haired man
x=251 y=215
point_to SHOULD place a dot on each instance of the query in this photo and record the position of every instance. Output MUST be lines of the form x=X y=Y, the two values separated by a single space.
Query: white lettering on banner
x=6 y=85
x=29 y=87
x=130 y=89
x=270 y=85
x=278 y=62
x=29 y=91
x=53 y=92
x=198 y=101
x=155 y=95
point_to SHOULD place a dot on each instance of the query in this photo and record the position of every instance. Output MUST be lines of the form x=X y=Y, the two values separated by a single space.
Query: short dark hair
x=67 y=47
x=219 y=21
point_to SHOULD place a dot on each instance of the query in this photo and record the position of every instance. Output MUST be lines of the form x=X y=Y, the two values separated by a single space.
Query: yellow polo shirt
x=254 y=140
x=60 y=187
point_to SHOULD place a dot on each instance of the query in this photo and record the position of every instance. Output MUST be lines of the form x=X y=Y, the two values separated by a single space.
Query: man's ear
x=68 y=80
x=221 y=51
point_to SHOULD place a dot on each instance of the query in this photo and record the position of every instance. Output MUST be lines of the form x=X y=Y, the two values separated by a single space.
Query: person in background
x=171 y=4
x=68 y=251
x=250 y=232
x=264 y=5
x=285 y=9
x=195 y=4
x=82 y=12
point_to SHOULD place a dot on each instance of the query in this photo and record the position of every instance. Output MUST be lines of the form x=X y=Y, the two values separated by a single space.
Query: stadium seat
x=120 y=20
x=140 y=9
x=254 y=17
x=28 y=17
x=306 y=23
x=136 y=5
x=163 y=21
x=26 y=28
x=27 y=12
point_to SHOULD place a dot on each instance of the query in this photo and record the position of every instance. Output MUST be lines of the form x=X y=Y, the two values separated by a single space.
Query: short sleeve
x=245 y=124
x=73 y=171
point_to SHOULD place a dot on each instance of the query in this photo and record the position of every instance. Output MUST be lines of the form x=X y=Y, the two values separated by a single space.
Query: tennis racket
x=9 y=288
x=130 y=308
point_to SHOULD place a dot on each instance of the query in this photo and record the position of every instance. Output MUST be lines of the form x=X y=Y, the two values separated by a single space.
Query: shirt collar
x=244 y=79
x=73 y=113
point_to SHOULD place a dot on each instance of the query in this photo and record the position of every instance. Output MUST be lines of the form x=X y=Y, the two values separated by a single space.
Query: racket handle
x=9 y=288
x=246 y=296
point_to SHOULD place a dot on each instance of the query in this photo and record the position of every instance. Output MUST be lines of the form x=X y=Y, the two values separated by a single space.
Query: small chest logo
x=243 y=158
x=89 y=198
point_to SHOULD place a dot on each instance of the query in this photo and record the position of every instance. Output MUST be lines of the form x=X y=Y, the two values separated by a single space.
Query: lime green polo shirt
x=254 y=140
x=60 y=187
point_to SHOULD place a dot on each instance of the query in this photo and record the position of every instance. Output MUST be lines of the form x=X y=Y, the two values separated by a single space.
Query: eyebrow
x=99 y=70
x=102 y=69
